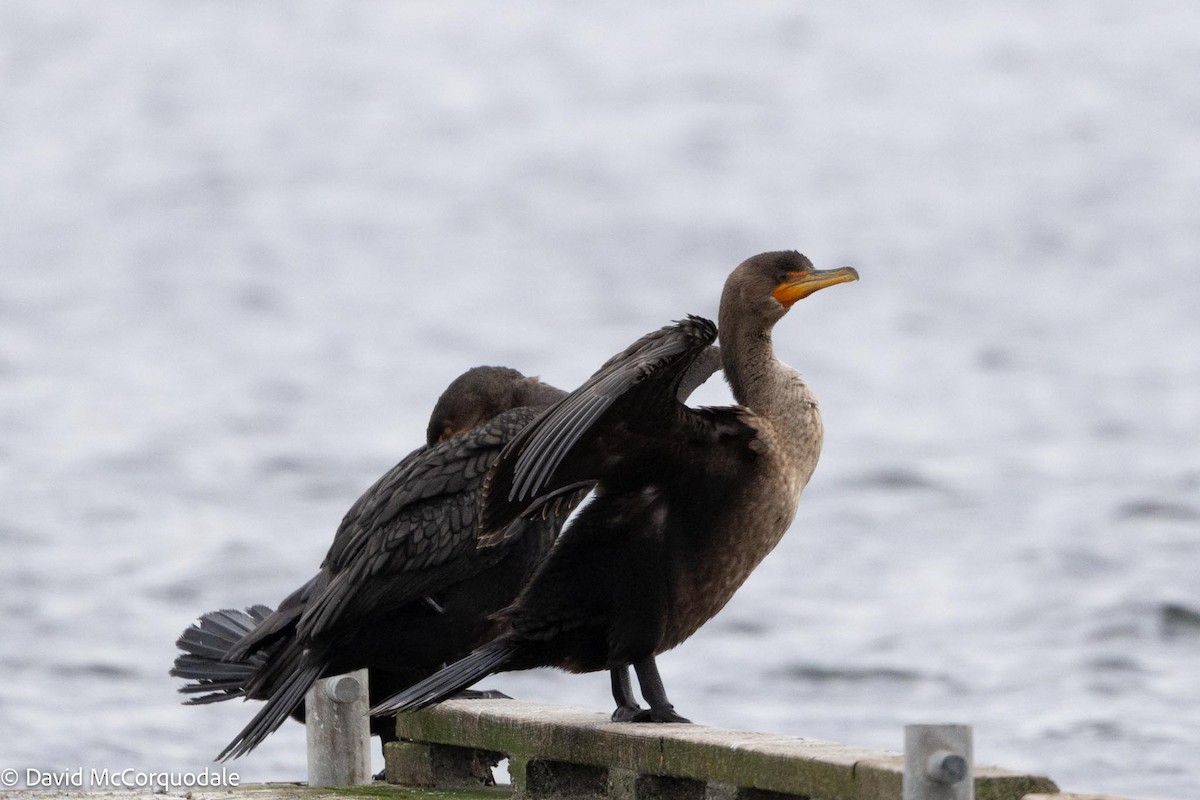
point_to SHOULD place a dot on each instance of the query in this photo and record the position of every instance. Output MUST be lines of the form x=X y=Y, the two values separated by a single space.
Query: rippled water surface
x=244 y=246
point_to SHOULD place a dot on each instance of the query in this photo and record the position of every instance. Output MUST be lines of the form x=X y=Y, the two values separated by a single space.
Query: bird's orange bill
x=800 y=285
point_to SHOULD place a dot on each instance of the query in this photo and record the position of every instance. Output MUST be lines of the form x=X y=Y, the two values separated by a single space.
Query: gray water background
x=244 y=246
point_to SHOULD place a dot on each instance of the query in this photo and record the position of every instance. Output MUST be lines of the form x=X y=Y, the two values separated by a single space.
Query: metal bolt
x=946 y=768
x=342 y=688
x=937 y=763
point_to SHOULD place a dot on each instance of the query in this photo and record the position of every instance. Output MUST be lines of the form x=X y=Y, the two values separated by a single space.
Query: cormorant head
x=768 y=284
x=479 y=394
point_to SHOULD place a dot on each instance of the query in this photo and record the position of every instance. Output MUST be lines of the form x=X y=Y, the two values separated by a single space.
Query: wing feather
x=634 y=392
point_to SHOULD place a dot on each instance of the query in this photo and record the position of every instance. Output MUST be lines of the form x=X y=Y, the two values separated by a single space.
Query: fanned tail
x=205 y=645
x=450 y=680
x=286 y=698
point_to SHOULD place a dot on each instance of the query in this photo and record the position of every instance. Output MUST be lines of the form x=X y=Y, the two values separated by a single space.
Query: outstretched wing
x=606 y=424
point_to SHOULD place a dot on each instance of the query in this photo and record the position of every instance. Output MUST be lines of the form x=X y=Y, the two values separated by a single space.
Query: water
x=244 y=247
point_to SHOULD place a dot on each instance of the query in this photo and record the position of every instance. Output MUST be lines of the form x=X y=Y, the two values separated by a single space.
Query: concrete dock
x=447 y=752
x=556 y=751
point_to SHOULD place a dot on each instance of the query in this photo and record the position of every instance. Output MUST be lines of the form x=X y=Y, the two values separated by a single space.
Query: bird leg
x=661 y=709
x=622 y=689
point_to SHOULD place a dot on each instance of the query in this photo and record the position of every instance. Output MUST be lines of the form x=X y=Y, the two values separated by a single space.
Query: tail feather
x=278 y=707
x=215 y=632
x=450 y=680
x=205 y=645
x=218 y=692
x=204 y=669
x=280 y=624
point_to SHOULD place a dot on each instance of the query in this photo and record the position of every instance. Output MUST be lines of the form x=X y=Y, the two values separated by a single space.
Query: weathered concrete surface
x=536 y=778
x=625 y=784
x=261 y=791
x=784 y=764
x=427 y=765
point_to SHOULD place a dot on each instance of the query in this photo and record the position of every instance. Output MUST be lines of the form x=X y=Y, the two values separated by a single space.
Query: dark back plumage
x=404 y=586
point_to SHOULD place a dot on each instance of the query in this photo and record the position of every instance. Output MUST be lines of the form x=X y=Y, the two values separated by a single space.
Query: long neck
x=758 y=380
x=778 y=395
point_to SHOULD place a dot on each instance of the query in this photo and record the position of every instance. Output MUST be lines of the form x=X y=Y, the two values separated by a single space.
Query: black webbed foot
x=663 y=714
x=627 y=713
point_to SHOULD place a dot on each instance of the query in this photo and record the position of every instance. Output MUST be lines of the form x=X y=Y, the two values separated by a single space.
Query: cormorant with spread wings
x=687 y=501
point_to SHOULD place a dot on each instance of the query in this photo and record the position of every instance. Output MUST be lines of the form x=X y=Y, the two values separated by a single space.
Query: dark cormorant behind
x=687 y=502
x=403 y=589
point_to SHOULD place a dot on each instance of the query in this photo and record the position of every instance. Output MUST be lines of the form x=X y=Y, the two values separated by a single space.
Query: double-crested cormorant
x=687 y=501
x=404 y=588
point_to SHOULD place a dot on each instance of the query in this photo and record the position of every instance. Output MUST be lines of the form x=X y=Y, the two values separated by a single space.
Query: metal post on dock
x=338 y=730
x=938 y=762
